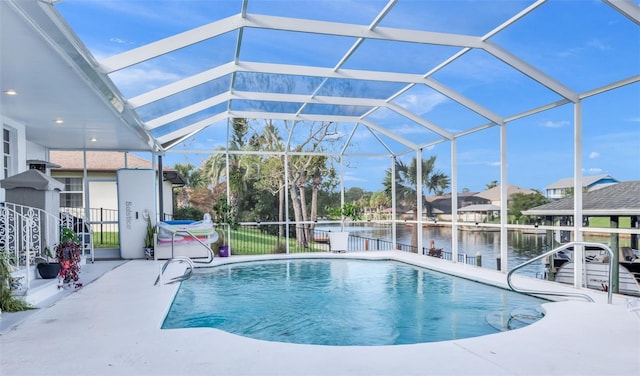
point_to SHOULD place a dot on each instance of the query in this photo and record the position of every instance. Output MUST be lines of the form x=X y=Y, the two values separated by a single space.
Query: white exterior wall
x=18 y=149
x=167 y=197
x=35 y=151
x=103 y=194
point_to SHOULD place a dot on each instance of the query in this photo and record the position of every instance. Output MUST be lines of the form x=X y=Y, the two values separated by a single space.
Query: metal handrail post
x=187 y=274
x=553 y=251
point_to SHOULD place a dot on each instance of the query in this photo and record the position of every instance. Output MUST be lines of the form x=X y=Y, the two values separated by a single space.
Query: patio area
x=112 y=327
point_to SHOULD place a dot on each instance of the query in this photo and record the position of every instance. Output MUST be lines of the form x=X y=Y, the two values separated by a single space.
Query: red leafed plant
x=68 y=255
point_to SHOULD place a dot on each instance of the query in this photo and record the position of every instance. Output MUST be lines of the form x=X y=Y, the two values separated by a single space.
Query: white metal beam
x=193 y=128
x=361 y=31
x=211 y=30
x=280 y=116
x=454 y=200
x=504 y=200
x=189 y=110
x=421 y=121
x=390 y=134
x=628 y=8
x=578 y=254
x=230 y=68
x=257 y=96
x=466 y=102
x=175 y=42
x=530 y=71
x=182 y=85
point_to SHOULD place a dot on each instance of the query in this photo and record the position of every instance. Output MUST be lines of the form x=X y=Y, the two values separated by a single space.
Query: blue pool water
x=345 y=303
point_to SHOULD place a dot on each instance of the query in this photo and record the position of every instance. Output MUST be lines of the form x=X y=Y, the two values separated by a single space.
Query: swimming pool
x=345 y=302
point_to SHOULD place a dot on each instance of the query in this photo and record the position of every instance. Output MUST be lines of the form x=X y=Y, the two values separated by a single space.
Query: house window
x=6 y=153
x=71 y=195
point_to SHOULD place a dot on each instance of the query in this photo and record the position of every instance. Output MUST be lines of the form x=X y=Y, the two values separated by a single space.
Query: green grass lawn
x=107 y=239
x=246 y=241
x=605 y=222
x=251 y=241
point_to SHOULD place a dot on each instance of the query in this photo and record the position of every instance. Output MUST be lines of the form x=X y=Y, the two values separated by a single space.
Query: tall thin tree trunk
x=317 y=180
x=297 y=212
x=297 y=207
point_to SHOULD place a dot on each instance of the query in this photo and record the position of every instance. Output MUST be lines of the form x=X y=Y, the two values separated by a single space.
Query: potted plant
x=224 y=217
x=149 y=240
x=339 y=239
x=8 y=302
x=68 y=255
x=47 y=266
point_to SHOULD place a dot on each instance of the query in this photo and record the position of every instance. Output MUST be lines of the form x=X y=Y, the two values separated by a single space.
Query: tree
x=252 y=173
x=406 y=181
x=379 y=200
x=302 y=168
x=519 y=202
x=215 y=167
x=270 y=175
x=193 y=180
x=353 y=194
x=493 y=184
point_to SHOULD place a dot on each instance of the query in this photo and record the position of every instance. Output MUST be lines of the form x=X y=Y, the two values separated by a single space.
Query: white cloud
x=555 y=124
x=352 y=178
x=405 y=129
x=120 y=41
x=594 y=155
x=598 y=44
x=147 y=79
x=593 y=171
x=421 y=104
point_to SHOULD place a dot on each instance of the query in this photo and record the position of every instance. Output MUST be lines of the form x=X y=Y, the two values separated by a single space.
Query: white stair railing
x=25 y=233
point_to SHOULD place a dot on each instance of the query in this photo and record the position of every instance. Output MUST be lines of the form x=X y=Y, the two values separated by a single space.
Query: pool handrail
x=175 y=232
x=568 y=294
x=187 y=273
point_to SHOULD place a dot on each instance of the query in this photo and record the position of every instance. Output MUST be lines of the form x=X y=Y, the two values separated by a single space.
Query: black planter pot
x=48 y=271
x=148 y=253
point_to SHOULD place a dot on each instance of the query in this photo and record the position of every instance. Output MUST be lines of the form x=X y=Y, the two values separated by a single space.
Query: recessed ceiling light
x=59 y=121
x=93 y=139
x=10 y=92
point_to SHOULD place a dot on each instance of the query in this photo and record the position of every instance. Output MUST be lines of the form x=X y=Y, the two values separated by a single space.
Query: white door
x=136 y=201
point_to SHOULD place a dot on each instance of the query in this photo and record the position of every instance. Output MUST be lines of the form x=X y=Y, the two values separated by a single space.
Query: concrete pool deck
x=112 y=327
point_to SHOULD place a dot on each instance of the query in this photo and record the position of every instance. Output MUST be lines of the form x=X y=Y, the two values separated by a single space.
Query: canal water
x=521 y=246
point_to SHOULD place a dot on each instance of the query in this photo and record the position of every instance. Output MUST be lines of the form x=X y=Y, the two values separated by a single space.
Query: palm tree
x=215 y=167
x=193 y=180
x=406 y=182
x=493 y=184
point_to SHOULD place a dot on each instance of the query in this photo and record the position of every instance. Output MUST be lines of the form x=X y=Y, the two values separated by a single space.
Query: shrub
x=188 y=212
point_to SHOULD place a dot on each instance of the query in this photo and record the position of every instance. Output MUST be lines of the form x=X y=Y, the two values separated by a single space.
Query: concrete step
x=39 y=289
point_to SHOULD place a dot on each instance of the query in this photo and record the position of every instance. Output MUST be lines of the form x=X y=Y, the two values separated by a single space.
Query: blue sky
x=582 y=44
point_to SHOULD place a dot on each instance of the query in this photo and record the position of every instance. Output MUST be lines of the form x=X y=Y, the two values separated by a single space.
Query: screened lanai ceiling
x=150 y=75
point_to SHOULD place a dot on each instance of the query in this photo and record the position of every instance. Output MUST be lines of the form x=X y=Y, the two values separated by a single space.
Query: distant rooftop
x=493 y=194
x=107 y=161
x=586 y=181
x=617 y=199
